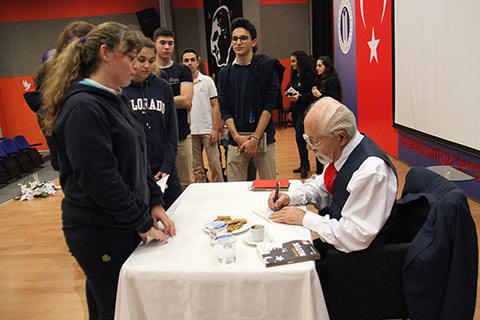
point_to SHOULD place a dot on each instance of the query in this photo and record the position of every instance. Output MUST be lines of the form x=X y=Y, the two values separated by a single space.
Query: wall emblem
x=345 y=26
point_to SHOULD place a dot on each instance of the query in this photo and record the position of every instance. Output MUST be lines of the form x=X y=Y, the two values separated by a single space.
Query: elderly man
x=356 y=192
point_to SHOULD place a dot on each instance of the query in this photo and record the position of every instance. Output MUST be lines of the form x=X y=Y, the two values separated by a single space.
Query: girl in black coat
x=302 y=79
x=111 y=198
x=328 y=85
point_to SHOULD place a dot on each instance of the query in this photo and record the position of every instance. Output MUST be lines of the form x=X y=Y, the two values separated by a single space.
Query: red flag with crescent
x=373 y=22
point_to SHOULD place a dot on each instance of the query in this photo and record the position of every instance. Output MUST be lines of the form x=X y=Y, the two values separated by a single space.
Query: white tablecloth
x=183 y=279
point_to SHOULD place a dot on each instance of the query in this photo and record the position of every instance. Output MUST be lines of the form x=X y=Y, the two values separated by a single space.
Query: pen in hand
x=277 y=189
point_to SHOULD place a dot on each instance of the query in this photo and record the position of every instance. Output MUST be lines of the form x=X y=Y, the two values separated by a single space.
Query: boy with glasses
x=248 y=92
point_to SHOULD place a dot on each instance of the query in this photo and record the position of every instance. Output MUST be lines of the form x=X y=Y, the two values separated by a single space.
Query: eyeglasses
x=241 y=38
x=311 y=141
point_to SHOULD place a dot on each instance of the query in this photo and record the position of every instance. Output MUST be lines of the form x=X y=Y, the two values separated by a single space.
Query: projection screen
x=437 y=69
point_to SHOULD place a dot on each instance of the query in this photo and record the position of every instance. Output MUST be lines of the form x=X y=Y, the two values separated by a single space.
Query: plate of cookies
x=235 y=224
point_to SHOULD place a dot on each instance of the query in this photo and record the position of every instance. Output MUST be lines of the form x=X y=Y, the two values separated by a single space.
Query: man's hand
x=213 y=137
x=283 y=200
x=240 y=140
x=288 y=215
x=249 y=148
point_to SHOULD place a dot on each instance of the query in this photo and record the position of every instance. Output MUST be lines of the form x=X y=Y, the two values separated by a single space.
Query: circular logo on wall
x=345 y=26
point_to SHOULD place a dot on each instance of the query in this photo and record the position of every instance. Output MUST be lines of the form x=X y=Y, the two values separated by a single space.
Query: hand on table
x=159 y=214
x=155 y=234
x=288 y=215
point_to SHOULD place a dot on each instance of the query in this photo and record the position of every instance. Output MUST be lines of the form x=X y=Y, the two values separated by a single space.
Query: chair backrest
x=3 y=152
x=21 y=142
x=9 y=146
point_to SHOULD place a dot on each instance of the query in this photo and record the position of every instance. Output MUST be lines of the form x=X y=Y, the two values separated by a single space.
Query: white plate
x=248 y=239
x=244 y=228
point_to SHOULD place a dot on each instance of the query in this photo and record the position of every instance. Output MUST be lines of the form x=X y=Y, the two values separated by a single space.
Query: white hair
x=330 y=116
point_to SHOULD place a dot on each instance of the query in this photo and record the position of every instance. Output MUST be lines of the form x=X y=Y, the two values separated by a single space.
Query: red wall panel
x=186 y=4
x=374 y=72
x=286 y=80
x=21 y=120
x=57 y=9
x=265 y=2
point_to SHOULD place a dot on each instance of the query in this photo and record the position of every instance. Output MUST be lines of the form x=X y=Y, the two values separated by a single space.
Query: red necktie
x=329 y=177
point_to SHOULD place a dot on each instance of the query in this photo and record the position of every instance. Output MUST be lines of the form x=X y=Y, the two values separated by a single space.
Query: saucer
x=248 y=239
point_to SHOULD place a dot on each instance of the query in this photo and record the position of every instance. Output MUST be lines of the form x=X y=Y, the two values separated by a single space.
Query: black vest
x=366 y=148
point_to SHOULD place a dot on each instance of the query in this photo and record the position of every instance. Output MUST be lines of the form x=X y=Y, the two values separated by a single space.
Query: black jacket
x=304 y=86
x=262 y=93
x=101 y=151
x=441 y=265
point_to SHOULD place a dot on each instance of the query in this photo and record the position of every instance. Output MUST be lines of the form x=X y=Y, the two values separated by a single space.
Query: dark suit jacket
x=441 y=265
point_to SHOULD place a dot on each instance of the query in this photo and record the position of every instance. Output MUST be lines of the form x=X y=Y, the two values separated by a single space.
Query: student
x=248 y=91
x=180 y=79
x=205 y=121
x=302 y=79
x=151 y=100
x=329 y=84
x=111 y=199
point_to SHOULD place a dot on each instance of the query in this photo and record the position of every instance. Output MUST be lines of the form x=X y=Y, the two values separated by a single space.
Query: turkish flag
x=373 y=24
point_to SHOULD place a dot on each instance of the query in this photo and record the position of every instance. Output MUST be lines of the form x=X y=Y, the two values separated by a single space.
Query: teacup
x=257 y=231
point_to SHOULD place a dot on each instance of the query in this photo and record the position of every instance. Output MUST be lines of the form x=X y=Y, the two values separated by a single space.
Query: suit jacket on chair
x=441 y=265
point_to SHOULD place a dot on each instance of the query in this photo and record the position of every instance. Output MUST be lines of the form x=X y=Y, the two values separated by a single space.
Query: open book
x=263 y=213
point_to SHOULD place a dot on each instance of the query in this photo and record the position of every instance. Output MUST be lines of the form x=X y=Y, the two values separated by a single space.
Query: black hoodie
x=153 y=104
x=104 y=172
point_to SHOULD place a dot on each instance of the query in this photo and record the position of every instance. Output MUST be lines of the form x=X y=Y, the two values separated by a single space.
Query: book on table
x=268 y=185
x=277 y=253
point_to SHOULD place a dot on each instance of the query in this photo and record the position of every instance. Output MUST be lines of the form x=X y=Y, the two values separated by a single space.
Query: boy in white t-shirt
x=205 y=121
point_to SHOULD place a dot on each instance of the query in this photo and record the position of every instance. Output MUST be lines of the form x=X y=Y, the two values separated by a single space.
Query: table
x=182 y=279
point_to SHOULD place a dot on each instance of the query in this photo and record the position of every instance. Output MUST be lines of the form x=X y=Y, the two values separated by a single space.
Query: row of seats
x=17 y=158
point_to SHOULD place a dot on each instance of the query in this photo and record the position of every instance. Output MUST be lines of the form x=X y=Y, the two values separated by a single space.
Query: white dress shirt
x=373 y=190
